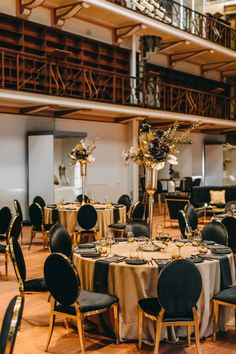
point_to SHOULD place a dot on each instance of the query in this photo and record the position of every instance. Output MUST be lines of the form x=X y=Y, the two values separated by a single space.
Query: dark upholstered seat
x=25 y=286
x=37 y=221
x=15 y=227
x=227 y=295
x=18 y=209
x=60 y=240
x=173 y=205
x=138 y=227
x=178 y=288
x=215 y=231
x=66 y=298
x=182 y=222
x=10 y=325
x=5 y=220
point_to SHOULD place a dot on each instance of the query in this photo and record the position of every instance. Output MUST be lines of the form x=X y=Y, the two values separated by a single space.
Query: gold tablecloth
x=68 y=216
x=130 y=283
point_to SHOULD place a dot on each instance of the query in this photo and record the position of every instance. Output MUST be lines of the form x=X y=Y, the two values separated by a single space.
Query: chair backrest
x=196 y=182
x=229 y=205
x=229 y=223
x=87 y=217
x=138 y=227
x=5 y=220
x=125 y=200
x=179 y=287
x=18 y=209
x=174 y=205
x=17 y=259
x=191 y=216
x=60 y=240
x=215 y=231
x=36 y=214
x=55 y=215
x=39 y=200
x=10 y=325
x=15 y=227
x=182 y=222
x=138 y=211
x=64 y=289
x=80 y=197
x=186 y=184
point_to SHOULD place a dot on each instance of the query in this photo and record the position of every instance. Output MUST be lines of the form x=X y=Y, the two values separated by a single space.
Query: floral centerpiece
x=83 y=153
x=155 y=148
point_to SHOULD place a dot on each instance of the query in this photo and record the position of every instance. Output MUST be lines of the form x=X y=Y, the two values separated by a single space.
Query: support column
x=134 y=171
x=133 y=70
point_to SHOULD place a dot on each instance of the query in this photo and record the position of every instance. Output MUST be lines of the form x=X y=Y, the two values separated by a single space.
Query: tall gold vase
x=83 y=174
x=151 y=187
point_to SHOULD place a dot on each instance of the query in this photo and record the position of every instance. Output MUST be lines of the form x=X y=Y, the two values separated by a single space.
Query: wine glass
x=179 y=244
x=189 y=233
x=110 y=239
x=197 y=239
x=160 y=228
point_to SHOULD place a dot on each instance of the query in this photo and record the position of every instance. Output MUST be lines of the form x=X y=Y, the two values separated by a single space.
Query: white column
x=134 y=168
x=133 y=69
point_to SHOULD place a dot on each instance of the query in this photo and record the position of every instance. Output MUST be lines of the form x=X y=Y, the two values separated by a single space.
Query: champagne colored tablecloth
x=68 y=216
x=130 y=283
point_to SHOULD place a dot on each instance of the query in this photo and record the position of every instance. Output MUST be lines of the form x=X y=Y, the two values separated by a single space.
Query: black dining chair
x=124 y=199
x=87 y=219
x=39 y=200
x=137 y=213
x=5 y=220
x=60 y=240
x=179 y=287
x=15 y=227
x=230 y=207
x=24 y=222
x=229 y=223
x=191 y=216
x=36 y=218
x=215 y=231
x=173 y=205
x=11 y=324
x=182 y=223
x=137 y=227
x=36 y=285
x=70 y=302
x=80 y=197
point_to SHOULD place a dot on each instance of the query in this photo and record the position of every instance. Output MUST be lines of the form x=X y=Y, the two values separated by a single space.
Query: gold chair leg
x=116 y=321
x=140 y=327
x=6 y=263
x=32 y=235
x=215 y=319
x=51 y=325
x=67 y=324
x=196 y=330
x=158 y=331
x=80 y=325
x=235 y=320
x=189 y=335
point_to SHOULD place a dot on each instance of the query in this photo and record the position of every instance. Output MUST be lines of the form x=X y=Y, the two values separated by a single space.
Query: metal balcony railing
x=30 y=73
x=185 y=19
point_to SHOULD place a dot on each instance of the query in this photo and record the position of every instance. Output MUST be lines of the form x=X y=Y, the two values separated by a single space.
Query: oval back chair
x=215 y=231
x=125 y=200
x=39 y=200
x=60 y=240
x=80 y=197
x=138 y=227
x=15 y=227
x=138 y=211
x=230 y=206
x=182 y=222
x=191 y=216
x=11 y=324
x=230 y=224
x=5 y=220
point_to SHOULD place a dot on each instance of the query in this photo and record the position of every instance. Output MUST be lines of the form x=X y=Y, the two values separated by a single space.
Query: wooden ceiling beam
x=34 y=109
x=69 y=112
x=170 y=45
x=24 y=7
x=127 y=31
x=65 y=12
x=188 y=55
x=217 y=66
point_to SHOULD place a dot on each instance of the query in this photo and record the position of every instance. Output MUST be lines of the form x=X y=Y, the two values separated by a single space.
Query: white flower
x=91 y=158
x=172 y=159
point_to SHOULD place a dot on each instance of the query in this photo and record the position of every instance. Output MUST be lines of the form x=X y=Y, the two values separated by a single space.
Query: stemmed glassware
x=159 y=229
x=179 y=244
x=197 y=239
x=110 y=239
x=189 y=233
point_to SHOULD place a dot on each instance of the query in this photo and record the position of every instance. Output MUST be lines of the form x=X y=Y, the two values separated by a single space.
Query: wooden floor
x=34 y=328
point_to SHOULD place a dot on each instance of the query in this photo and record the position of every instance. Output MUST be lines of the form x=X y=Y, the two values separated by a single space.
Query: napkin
x=86 y=245
x=135 y=261
x=101 y=276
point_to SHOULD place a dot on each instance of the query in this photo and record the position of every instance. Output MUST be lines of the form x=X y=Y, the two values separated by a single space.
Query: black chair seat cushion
x=37 y=228
x=37 y=285
x=47 y=227
x=152 y=307
x=227 y=295
x=118 y=226
x=89 y=301
x=3 y=248
x=26 y=222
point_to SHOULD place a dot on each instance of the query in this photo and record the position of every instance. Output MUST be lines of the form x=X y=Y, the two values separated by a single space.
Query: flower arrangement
x=156 y=147
x=83 y=152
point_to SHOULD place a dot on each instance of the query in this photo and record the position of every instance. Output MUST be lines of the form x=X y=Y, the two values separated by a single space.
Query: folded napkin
x=52 y=206
x=101 y=269
x=90 y=254
x=120 y=239
x=225 y=272
x=195 y=259
x=85 y=250
x=221 y=250
x=115 y=259
x=86 y=245
x=161 y=262
x=135 y=261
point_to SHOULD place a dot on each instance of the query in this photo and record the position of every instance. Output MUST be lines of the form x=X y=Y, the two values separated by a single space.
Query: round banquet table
x=132 y=282
x=68 y=216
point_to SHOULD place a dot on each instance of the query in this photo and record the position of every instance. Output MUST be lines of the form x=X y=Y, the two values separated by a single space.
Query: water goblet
x=159 y=229
x=175 y=253
x=197 y=239
x=189 y=233
x=110 y=239
x=102 y=250
x=179 y=244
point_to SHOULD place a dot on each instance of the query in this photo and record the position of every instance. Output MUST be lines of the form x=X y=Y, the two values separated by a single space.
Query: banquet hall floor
x=33 y=334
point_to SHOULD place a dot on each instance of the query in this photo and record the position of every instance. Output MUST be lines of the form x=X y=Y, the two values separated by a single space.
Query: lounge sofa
x=201 y=195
